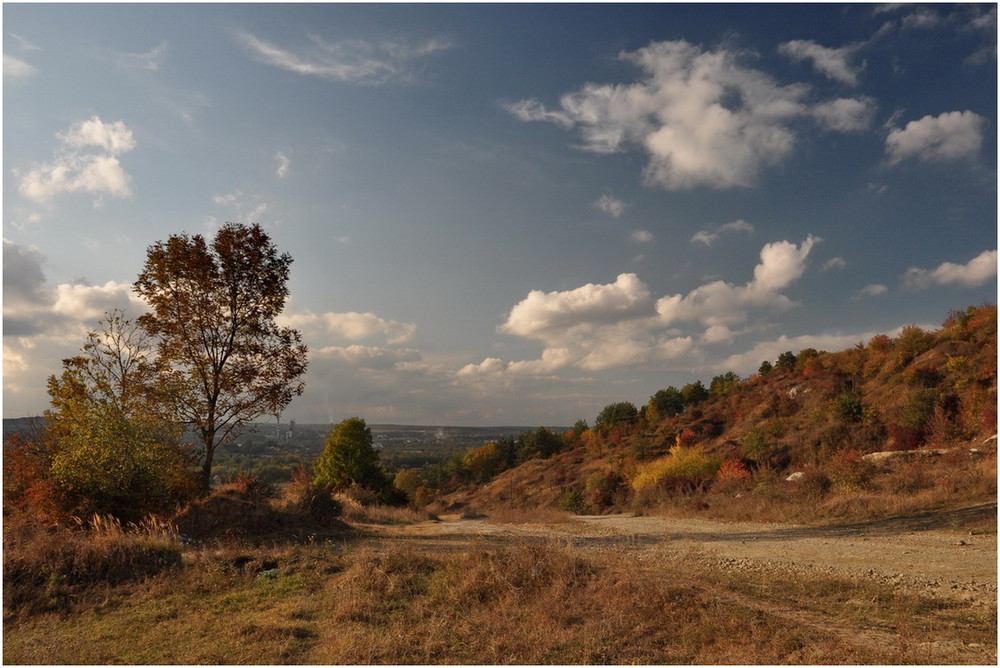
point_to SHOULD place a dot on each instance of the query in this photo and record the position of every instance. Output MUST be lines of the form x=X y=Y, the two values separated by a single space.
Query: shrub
x=600 y=489
x=683 y=470
x=847 y=470
x=732 y=476
x=848 y=407
x=570 y=500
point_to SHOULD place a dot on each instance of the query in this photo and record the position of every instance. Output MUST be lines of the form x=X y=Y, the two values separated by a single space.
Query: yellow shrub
x=685 y=469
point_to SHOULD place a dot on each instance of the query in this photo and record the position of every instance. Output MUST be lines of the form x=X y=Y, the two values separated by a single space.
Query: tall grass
x=47 y=569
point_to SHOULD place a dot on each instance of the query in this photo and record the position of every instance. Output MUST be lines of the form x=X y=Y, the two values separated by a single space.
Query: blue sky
x=507 y=214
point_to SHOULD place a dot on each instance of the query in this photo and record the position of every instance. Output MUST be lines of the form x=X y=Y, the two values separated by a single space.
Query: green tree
x=213 y=315
x=765 y=368
x=118 y=450
x=666 y=403
x=348 y=457
x=622 y=412
x=786 y=361
x=724 y=384
x=694 y=393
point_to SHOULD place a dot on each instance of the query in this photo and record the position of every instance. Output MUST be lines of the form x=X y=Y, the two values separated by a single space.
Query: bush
x=570 y=500
x=848 y=471
x=733 y=476
x=683 y=470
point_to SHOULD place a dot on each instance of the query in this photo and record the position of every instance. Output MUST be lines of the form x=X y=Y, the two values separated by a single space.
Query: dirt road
x=950 y=555
x=934 y=552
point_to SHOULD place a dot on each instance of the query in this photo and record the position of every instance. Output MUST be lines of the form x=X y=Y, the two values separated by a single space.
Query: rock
x=798 y=475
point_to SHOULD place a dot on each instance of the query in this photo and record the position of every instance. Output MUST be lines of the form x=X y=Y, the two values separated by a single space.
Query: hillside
x=814 y=413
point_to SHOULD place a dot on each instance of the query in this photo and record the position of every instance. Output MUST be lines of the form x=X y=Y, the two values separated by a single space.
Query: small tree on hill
x=349 y=459
x=622 y=412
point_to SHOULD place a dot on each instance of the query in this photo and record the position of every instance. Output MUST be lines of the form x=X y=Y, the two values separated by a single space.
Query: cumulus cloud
x=349 y=61
x=707 y=237
x=14 y=68
x=720 y=303
x=951 y=136
x=977 y=271
x=541 y=314
x=610 y=205
x=351 y=326
x=86 y=161
x=702 y=117
x=597 y=327
x=834 y=63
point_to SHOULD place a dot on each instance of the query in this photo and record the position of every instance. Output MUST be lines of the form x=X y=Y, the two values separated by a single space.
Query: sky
x=506 y=214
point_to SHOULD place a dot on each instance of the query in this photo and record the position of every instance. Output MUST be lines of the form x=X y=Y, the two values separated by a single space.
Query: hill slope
x=814 y=412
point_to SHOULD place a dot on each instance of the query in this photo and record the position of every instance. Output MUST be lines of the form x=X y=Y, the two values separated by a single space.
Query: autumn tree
x=213 y=309
x=117 y=448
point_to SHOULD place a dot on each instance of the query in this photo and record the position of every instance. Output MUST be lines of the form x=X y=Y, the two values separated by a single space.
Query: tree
x=786 y=361
x=349 y=458
x=765 y=368
x=118 y=449
x=213 y=315
x=616 y=413
x=724 y=383
x=666 y=403
x=694 y=393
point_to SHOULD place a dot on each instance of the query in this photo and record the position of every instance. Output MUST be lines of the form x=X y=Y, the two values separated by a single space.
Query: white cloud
x=599 y=327
x=977 y=271
x=284 y=165
x=640 y=236
x=351 y=326
x=834 y=263
x=845 y=114
x=542 y=314
x=351 y=61
x=720 y=303
x=15 y=68
x=834 y=63
x=708 y=238
x=703 y=118
x=873 y=290
x=114 y=138
x=610 y=205
x=951 y=136
x=76 y=169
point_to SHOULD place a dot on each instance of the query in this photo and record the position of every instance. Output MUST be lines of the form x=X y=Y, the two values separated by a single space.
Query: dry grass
x=49 y=569
x=529 y=603
x=357 y=512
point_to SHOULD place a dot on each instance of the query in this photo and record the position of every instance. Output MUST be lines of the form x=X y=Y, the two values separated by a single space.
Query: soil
x=950 y=555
